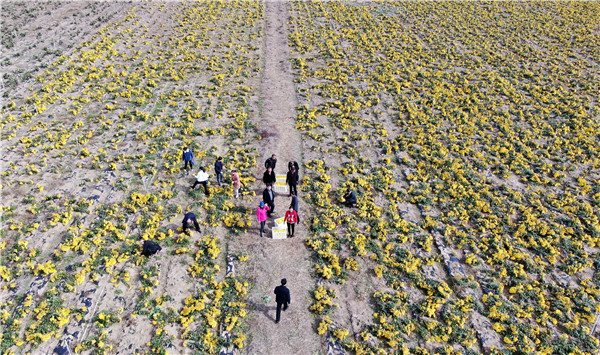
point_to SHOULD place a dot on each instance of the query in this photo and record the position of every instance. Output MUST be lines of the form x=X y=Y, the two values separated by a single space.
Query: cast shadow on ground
x=268 y=311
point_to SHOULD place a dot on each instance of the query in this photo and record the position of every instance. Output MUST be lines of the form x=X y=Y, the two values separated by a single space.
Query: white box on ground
x=280 y=222
x=279 y=233
x=280 y=187
x=280 y=178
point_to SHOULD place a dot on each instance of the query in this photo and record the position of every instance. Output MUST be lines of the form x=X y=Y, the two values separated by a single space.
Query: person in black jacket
x=219 y=170
x=188 y=219
x=350 y=198
x=292 y=180
x=150 y=248
x=269 y=199
x=269 y=177
x=293 y=164
x=282 y=297
x=294 y=204
x=271 y=162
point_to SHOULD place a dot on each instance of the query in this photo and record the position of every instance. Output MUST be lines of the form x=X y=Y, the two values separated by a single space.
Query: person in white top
x=202 y=178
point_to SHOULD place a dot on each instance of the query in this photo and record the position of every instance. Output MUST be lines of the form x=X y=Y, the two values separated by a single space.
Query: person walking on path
x=261 y=215
x=219 y=170
x=269 y=199
x=188 y=219
x=292 y=180
x=188 y=158
x=269 y=177
x=291 y=217
x=236 y=182
x=282 y=297
x=202 y=178
x=271 y=162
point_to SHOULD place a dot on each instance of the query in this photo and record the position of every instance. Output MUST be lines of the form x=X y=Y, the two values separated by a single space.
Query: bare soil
x=271 y=260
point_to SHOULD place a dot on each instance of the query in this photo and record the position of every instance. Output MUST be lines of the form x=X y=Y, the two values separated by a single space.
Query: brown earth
x=271 y=260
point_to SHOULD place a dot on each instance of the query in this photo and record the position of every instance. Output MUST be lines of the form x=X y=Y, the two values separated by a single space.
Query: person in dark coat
x=188 y=219
x=294 y=202
x=269 y=199
x=293 y=165
x=271 y=162
x=350 y=198
x=219 y=170
x=292 y=180
x=150 y=248
x=282 y=297
x=269 y=177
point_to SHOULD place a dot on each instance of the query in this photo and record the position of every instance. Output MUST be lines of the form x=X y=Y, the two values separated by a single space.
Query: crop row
x=469 y=132
x=94 y=168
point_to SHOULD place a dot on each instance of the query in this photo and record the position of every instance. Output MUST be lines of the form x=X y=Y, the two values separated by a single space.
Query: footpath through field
x=270 y=260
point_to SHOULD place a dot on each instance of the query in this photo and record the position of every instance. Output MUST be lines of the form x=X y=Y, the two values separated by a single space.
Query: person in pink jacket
x=236 y=182
x=261 y=215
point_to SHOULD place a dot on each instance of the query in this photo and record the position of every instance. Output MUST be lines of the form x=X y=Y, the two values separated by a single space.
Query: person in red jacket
x=291 y=217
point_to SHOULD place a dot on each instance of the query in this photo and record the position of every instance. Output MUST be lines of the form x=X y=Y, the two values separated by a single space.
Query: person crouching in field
x=188 y=219
x=350 y=198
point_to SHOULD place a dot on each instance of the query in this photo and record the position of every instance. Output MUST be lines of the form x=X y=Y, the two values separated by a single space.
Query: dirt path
x=270 y=260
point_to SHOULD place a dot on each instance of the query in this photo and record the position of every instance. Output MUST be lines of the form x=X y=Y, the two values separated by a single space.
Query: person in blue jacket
x=188 y=158
x=188 y=219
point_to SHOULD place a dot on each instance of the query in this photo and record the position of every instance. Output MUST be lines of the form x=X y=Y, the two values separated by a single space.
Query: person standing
x=294 y=204
x=261 y=215
x=292 y=180
x=236 y=182
x=188 y=220
x=269 y=199
x=202 y=178
x=271 y=162
x=282 y=297
x=219 y=170
x=188 y=158
x=293 y=164
x=291 y=217
x=269 y=177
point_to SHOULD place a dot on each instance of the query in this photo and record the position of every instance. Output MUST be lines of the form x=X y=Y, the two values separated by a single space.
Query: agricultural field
x=470 y=132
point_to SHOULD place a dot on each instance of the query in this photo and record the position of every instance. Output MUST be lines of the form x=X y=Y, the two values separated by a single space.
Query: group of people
x=202 y=176
x=267 y=205
x=264 y=211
